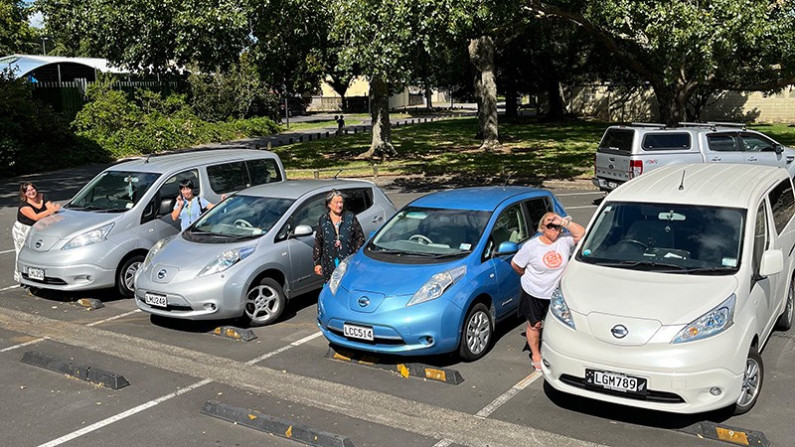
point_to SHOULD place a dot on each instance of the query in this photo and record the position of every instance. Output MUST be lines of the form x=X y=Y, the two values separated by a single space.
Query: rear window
x=666 y=141
x=617 y=139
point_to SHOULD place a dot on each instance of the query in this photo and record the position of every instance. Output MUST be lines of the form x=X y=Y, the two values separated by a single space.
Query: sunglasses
x=553 y=227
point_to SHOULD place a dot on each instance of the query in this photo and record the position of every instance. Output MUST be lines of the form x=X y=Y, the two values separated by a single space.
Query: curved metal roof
x=22 y=64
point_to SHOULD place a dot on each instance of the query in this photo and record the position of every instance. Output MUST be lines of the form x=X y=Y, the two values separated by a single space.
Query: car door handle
x=714 y=159
x=377 y=219
x=751 y=159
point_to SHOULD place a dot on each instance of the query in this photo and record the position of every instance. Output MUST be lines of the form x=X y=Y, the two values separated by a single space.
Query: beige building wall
x=617 y=104
x=329 y=100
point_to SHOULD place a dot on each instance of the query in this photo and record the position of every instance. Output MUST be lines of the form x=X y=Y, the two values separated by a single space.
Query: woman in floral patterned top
x=338 y=236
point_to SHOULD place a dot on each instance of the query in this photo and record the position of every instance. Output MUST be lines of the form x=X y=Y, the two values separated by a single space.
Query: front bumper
x=67 y=277
x=679 y=377
x=213 y=297
x=428 y=328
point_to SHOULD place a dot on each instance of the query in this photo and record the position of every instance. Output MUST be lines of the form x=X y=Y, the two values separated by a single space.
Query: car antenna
x=338 y=173
x=506 y=181
x=682 y=183
x=147 y=159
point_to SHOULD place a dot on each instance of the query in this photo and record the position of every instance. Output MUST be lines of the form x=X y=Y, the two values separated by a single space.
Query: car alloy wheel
x=125 y=278
x=264 y=302
x=752 y=382
x=476 y=334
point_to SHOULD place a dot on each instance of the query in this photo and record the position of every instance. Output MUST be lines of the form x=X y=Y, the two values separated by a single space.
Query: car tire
x=264 y=302
x=784 y=322
x=126 y=274
x=752 y=382
x=476 y=333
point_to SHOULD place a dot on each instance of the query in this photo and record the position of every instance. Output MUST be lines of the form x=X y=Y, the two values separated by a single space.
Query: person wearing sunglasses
x=541 y=262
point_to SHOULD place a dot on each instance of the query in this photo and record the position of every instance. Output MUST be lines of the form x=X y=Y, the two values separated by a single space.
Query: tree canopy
x=15 y=31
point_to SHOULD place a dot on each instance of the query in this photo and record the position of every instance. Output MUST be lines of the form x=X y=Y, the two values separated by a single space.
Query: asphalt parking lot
x=286 y=377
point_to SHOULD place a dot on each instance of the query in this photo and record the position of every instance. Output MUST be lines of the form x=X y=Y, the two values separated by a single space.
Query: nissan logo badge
x=364 y=301
x=619 y=331
x=39 y=243
x=161 y=273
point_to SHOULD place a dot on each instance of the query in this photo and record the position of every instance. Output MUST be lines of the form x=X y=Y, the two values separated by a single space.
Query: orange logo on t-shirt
x=552 y=259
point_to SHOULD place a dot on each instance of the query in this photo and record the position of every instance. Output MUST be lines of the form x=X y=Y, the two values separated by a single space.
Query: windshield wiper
x=83 y=208
x=386 y=251
x=712 y=270
x=644 y=263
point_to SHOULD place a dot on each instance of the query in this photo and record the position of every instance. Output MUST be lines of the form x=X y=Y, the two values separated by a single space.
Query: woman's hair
x=333 y=193
x=543 y=218
x=23 y=187
x=186 y=183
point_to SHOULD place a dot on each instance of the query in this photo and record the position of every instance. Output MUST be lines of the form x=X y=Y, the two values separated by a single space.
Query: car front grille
x=377 y=341
x=47 y=280
x=651 y=396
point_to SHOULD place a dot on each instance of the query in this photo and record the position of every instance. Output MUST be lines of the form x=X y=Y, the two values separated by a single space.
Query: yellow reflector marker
x=736 y=437
x=251 y=416
x=339 y=356
x=403 y=370
x=436 y=374
x=289 y=432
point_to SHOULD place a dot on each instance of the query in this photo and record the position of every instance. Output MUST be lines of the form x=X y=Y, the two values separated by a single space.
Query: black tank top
x=21 y=218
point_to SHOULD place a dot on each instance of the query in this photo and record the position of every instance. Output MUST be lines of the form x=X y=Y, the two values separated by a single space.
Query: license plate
x=154 y=299
x=360 y=332
x=615 y=381
x=612 y=185
x=36 y=274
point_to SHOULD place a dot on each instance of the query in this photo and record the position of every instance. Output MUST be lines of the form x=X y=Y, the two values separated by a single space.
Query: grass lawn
x=531 y=152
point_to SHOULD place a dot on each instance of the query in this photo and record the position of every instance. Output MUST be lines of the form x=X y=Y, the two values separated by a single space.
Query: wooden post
x=375 y=171
x=317 y=174
x=269 y=145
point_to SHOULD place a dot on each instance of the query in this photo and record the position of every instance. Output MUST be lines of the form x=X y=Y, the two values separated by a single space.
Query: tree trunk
x=511 y=104
x=381 y=144
x=428 y=97
x=671 y=101
x=556 y=110
x=481 y=54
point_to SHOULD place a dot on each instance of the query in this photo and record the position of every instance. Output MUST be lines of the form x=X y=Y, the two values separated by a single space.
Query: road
x=175 y=368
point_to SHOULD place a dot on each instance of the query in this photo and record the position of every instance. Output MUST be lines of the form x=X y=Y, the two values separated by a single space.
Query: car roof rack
x=694 y=124
x=660 y=125
x=194 y=149
x=742 y=126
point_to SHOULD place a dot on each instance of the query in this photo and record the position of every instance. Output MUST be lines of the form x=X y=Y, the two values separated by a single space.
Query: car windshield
x=113 y=191
x=429 y=233
x=670 y=238
x=238 y=217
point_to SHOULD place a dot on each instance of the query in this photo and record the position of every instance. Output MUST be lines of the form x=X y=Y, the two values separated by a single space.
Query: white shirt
x=543 y=264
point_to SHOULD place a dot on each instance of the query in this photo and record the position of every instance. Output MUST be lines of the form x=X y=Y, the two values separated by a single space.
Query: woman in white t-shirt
x=541 y=262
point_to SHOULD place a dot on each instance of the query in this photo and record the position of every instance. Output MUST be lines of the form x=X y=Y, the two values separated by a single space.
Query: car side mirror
x=507 y=248
x=772 y=263
x=779 y=149
x=302 y=230
x=166 y=206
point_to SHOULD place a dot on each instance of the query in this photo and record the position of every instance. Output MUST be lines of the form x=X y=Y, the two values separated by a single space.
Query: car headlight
x=89 y=237
x=559 y=308
x=153 y=251
x=336 y=276
x=435 y=287
x=711 y=323
x=225 y=260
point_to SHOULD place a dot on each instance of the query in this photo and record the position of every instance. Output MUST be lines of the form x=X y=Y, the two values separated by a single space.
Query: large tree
x=14 y=28
x=680 y=46
x=382 y=39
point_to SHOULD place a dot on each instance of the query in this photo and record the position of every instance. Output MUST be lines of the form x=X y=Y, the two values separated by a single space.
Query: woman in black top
x=32 y=207
x=338 y=236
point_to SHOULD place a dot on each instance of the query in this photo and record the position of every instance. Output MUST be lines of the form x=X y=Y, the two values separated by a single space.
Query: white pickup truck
x=627 y=151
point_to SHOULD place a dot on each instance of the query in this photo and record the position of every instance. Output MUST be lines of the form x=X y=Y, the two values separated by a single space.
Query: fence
x=69 y=97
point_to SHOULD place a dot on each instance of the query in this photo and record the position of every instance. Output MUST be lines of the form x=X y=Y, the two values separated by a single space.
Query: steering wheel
x=420 y=239
x=633 y=242
x=243 y=223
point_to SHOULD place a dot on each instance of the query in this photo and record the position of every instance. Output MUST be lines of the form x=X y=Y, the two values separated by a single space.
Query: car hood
x=365 y=274
x=180 y=259
x=66 y=224
x=668 y=299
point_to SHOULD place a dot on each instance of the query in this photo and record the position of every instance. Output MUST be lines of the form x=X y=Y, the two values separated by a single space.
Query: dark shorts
x=532 y=309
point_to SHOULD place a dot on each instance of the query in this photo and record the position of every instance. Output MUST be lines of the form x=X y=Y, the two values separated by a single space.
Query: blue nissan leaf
x=437 y=277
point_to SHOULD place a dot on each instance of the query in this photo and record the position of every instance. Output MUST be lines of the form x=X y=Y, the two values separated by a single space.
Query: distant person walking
x=340 y=124
x=189 y=207
x=338 y=236
x=541 y=262
x=31 y=209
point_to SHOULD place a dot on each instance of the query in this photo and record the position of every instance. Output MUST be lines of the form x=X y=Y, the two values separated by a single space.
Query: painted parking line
x=9 y=287
x=506 y=396
x=580 y=207
x=574 y=194
x=159 y=400
x=6 y=251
